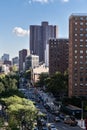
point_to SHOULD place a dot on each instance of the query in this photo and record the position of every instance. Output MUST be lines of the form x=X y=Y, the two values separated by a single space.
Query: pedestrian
x=86 y=122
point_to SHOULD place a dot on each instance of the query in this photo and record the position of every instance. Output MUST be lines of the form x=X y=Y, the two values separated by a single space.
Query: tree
x=57 y=84
x=27 y=74
x=21 y=110
x=42 y=78
x=2 y=88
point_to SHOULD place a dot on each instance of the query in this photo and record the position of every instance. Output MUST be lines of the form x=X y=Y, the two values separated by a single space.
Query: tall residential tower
x=78 y=55
x=39 y=36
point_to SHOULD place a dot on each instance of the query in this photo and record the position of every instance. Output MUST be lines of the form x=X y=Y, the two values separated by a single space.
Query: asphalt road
x=50 y=117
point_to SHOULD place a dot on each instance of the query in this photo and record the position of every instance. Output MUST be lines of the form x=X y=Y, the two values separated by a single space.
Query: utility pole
x=82 y=122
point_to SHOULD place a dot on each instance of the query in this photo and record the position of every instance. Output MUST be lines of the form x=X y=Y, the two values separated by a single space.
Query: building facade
x=39 y=36
x=15 y=61
x=5 y=57
x=78 y=55
x=31 y=62
x=58 y=55
x=22 y=55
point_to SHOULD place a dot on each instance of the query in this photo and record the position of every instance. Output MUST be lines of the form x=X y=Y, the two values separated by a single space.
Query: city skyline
x=16 y=17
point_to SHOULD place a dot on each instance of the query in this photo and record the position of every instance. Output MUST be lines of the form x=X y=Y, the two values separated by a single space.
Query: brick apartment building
x=58 y=55
x=78 y=55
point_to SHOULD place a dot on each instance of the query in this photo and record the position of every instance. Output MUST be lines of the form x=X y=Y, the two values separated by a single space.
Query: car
x=44 y=128
x=35 y=128
x=70 y=120
x=57 y=119
x=52 y=127
x=43 y=122
x=62 y=116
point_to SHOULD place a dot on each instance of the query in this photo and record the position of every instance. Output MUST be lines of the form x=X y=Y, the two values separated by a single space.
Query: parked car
x=57 y=119
x=70 y=120
x=52 y=127
x=44 y=128
x=35 y=128
x=62 y=116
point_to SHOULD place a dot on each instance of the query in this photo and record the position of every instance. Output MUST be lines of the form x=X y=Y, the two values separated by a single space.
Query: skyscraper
x=39 y=36
x=5 y=57
x=22 y=55
x=78 y=55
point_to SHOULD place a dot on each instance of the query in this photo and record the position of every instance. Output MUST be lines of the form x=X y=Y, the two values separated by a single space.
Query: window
x=75 y=23
x=75 y=29
x=81 y=40
x=81 y=57
x=75 y=45
x=75 y=84
x=81 y=79
x=75 y=40
x=75 y=62
x=86 y=51
x=81 y=34
x=75 y=57
x=81 y=51
x=81 y=68
x=81 y=29
x=81 y=73
x=81 y=18
x=81 y=62
x=81 y=45
x=81 y=84
x=75 y=51
x=81 y=23
x=75 y=34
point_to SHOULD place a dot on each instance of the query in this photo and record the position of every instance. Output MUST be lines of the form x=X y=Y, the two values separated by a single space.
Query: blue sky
x=17 y=15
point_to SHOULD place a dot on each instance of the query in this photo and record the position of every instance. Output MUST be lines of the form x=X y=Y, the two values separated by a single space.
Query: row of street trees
x=56 y=84
x=17 y=111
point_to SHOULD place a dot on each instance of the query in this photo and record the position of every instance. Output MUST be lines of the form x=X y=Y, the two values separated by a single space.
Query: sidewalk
x=81 y=123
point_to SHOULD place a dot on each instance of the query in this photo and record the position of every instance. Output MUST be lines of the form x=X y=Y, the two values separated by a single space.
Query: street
x=50 y=117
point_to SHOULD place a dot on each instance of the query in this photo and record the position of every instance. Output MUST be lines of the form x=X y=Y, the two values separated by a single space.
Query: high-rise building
x=39 y=36
x=78 y=55
x=15 y=61
x=22 y=55
x=31 y=62
x=5 y=57
x=58 y=55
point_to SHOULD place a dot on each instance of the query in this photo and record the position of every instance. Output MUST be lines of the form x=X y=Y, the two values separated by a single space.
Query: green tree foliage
x=9 y=82
x=27 y=74
x=42 y=78
x=57 y=83
x=2 y=88
x=21 y=111
x=14 y=68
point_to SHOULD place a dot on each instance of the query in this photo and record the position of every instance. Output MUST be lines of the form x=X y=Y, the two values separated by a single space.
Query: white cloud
x=65 y=0
x=20 y=32
x=46 y=1
x=41 y=1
